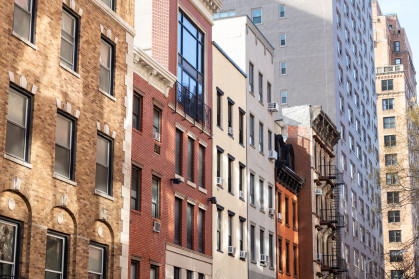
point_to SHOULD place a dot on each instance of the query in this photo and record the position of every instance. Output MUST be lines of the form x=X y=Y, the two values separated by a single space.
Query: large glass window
x=137 y=112
x=388 y=104
x=191 y=151
x=389 y=122
x=106 y=67
x=18 y=130
x=135 y=188
x=155 y=198
x=69 y=44
x=178 y=223
x=103 y=165
x=190 y=227
x=8 y=247
x=55 y=256
x=97 y=262
x=178 y=151
x=24 y=19
x=64 y=146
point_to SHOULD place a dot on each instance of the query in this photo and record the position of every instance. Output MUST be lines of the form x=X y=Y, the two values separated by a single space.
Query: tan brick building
x=65 y=137
x=396 y=88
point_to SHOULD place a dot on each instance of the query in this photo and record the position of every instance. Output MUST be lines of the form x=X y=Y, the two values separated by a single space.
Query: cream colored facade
x=230 y=213
x=396 y=86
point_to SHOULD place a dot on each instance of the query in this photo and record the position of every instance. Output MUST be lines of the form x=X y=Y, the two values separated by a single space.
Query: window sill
x=231 y=136
x=107 y=95
x=180 y=177
x=220 y=251
x=242 y=199
x=220 y=128
x=17 y=161
x=203 y=190
x=231 y=193
x=261 y=153
x=252 y=205
x=103 y=195
x=17 y=36
x=251 y=145
x=262 y=210
x=63 y=179
x=190 y=183
x=271 y=268
x=253 y=262
x=69 y=70
x=242 y=145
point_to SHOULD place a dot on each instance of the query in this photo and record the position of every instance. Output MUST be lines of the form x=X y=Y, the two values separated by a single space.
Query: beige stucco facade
x=229 y=94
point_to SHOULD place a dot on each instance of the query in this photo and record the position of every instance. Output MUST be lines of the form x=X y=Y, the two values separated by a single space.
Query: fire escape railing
x=333 y=217
x=188 y=102
x=332 y=173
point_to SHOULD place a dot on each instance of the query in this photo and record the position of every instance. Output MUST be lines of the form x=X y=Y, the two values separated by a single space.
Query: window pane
x=102 y=151
x=95 y=260
x=105 y=51
x=17 y=108
x=155 y=198
x=54 y=253
x=22 y=22
x=26 y=4
x=109 y=4
x=190 y=159
x=7 y=247
x=67 y=53
x=102 y=178
x=50 y=275
x=67 y=24
x=178 y=159
x=104 y=79
x=63 y=132
x=15 y=141
x=190 y=49
x=201 y=166
x=62 y=161
x=189 y=226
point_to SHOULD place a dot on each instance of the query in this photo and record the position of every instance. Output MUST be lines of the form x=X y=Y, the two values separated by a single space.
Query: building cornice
x=207 y=7
x=153 y=72
x=325 y=129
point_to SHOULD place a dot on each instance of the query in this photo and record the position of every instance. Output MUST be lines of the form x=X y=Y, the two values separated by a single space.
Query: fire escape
x=333 y=265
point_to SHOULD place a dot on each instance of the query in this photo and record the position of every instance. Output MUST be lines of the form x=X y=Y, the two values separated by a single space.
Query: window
x=176 y=273
x=397 y=46
x=9 y=247
x=286 y=211
x=201 y=229
x=396 y=256
x=97 y=261
x=241 y=128
x=24 y=19
x=282 y=11
x=271 y=250
x=394 y=216
x=397 y=274
x=106 y=67
x=397 y=61
x=230 y=229
x=261 y=195
x=387 y=84
x=262 y=242
x=395 y=236
x=190 y=159
x=283 y=39
x=155 y=198
x=230 y=117
x=191 y=67
x=270 y=197
x=294 y=255
x=69 y=43
x=156 y=124
x=280 y=254
x=55 y=263
x=252 y=243
x=134 y=269
x=109 y=3
x=178 y=155
x=392 y=178
x=390 y=141
x=294 y=216
x=190 y=226
x=135 y=188
x=64 y=146
x=269 y=140
x=241 y=234
x=252 y=189
x=356 y=257
x=219 y=109
x=260 y=87
x=252 y=130
x=389 y=122
x=154 y=272
x=257 y=16
x=287 y=257
x=201 y=166
x=18 y=125
x=284 y=98
x=283 y=68
x=260 y=137
x=230 y=175
x=137 y=112
x=251 y=78
x=269 y=92
x=178 y=223
x=391 y=159
x=219 y=161
x=219 y=229
x=388 y=104
x=104 y=165
x=393 y=197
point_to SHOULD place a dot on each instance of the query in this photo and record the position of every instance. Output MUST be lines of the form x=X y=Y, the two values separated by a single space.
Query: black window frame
x=177 y=239
x=112 y=66
x=33 y=12
x=287 y=257
x=139 y=114
x=294 y=260
x=178 y=152
x=201 y=230
x=387 y=85
x=396 y=256
x=219 y=109
x=230 y=175
x=294 y=215
x=73 y=121
x=190 y=226
x=394 y=236
x=394 y=216
x=280 y=254
x=69 y=11
x=286 y=211
x=157 y=269
x=137 y=198
x=393 y=197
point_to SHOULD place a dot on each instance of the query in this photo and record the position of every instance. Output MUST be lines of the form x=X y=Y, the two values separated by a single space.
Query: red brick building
x=170 y=235
x=288 y=186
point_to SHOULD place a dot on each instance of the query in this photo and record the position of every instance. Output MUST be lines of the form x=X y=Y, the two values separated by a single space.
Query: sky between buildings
x=408 y=13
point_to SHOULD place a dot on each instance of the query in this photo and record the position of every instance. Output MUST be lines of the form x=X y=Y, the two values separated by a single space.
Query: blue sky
x=408 y=13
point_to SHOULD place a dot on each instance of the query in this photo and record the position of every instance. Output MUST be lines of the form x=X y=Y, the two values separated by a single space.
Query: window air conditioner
x=271 y=211
x=230 y=130
x=319 y=257
x=219 y=182
x=272 y=155
x=156 y=226
x=319 y=192
x=264 y=259
x=273 y=107
x=243 y=255
x=156 y=136
x=241 y=195
x=231 y=250
x=280 y=216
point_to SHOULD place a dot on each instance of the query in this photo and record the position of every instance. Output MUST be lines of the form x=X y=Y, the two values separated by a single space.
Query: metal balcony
x=332 y=218
x=188 y=104
x=331 y=174
x=333 y=264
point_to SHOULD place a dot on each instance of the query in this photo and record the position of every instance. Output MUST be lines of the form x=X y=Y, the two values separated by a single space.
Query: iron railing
x=194 y=107
x=333 y=262
x=332 y=173
x=332 y=216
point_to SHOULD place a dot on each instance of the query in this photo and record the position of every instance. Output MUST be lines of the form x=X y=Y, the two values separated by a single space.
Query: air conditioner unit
x=319 y=257
x=230 y=130
x=272 y=155
x=156 y=136
x=280 y=216
x=241 y=195
x=243 y=255
x=231 y=250
x=156 y=226
x=271 y=211
x=273 y=107
x=264 y=259
x=319 y=192
x=219 y=182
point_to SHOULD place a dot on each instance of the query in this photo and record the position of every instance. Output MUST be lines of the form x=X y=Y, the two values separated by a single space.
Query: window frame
x=110 y=164
x=73 y=143
x=157 y=129
x=32 y=22
x=64 y=254
x=111 y=6
x=177 y=239
x=136 y=265
x=76 y=27
x=16 y=245
x=253 y=16
x=112 y=55
x=191 y=159
x=190 y=226
x=139 y=113
x=156 y=215
x=178 y=157
x=137 y=199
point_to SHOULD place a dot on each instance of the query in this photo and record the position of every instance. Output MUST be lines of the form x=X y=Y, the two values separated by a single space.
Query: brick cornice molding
x=153 y=72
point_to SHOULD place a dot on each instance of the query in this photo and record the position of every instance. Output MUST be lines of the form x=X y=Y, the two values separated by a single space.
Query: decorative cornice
x=152 y=72
x=324 y=128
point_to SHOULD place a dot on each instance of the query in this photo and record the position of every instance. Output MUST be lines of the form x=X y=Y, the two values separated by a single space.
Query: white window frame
x=101 y=275
x=62 y=256
x=15 y=244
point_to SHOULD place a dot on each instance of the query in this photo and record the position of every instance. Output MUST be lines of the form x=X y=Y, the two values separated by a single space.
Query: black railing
x=331 y=172
x=333 y=262
x=194 y=107
x=332 y=216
